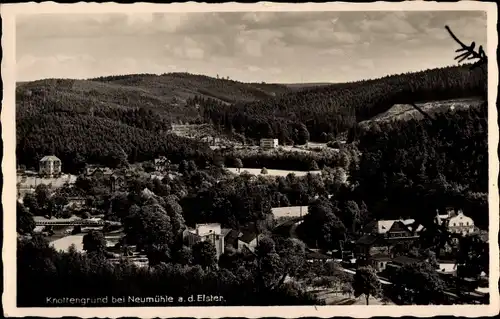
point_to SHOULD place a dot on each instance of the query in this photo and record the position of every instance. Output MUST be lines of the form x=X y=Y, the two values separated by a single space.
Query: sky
x=272 y=47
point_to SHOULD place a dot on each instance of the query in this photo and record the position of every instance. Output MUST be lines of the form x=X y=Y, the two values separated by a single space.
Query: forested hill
x=115 y=119
x=335 y=108
x=104 y=97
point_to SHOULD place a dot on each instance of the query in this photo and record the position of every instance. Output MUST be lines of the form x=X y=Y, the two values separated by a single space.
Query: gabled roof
x=398 y=225
x=403 y=260
x=50 y=158
x=383 y=226
x=311 y=254
x=367 y=240
x=225 y=231
x=247 y=236
x=381 y=257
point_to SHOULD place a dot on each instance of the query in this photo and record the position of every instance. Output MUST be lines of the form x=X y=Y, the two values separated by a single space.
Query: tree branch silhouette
x=468 y=52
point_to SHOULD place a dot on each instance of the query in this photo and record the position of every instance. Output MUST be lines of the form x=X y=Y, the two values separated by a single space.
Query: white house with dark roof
x=456 y=222
x=50 y=166
x=212 y=232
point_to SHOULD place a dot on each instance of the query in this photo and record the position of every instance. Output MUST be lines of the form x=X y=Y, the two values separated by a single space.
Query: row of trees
x=253 y=280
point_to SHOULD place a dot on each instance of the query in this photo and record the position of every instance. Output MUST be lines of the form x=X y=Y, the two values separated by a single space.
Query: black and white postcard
x=213 y=160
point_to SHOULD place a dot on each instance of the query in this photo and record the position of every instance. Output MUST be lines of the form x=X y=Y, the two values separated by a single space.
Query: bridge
x=74 y=222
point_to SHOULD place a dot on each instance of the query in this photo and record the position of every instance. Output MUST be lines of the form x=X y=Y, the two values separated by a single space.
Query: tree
x=351 y=215
x=157 y=253
x=472 y=257
x=418 y=283
x=347 y=289
x=184 y=256
x=174 y=211
x=94 y=241
x=366 y=283
x=322 y=227
x=204 y=254
x=192 y=168
x=264 y=171
x=147 y=226
x=30 y=202
x=183 y=167
x=238 y=164
x=313 y=166
x=25 y=222
x=302 y=135
x=148 y=167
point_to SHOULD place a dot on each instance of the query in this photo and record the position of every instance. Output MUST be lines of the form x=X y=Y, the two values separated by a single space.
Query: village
x=384 y=245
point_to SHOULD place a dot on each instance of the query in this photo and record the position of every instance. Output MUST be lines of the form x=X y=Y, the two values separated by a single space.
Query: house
x=213 y=233
x=97 y=171
x=249 y=239
x=117 y=182
x=289 y=212
x=370 y=245
x=76 y=202
x=379 y=262
x=456 y=222
x=447 y=267
x=315 y=256
x=50 y=166
x=380 y=235
x=161 y=164
x=391 y=228
x=269 y=143
x=230 y=238
x=461 y=224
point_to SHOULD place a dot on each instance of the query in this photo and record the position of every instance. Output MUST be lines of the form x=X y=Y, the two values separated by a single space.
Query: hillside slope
x=333 y=109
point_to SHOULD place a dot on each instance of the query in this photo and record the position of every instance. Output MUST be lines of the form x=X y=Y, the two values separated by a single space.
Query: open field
x=406 y=111
x=65 y=242
x=270 y=172
x=336 y=298
x=34 y=181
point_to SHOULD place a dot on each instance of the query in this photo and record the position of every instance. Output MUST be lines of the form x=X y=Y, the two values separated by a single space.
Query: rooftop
x=290 y=211
x=404 y=260
x=50 y=158
x=367 y=240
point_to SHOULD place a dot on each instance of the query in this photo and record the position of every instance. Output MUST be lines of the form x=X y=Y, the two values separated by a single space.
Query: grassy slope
x=403 y=112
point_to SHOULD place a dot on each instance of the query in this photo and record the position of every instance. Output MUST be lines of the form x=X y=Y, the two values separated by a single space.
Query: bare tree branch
x=468 y=52
x=425 y=114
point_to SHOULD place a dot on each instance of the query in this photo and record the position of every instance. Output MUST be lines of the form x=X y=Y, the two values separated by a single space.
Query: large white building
x=269 y=143
x=457 y=222
x=50 y=166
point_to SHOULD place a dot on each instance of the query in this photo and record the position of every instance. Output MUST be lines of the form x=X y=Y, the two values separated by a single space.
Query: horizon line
x=235 y=80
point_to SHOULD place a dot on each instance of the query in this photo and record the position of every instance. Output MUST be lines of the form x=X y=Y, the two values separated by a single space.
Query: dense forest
x=78 y=140
x=335 y=108
x=411 y=168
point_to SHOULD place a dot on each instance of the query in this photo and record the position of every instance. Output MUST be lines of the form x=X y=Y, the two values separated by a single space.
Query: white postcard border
x=8 y=13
